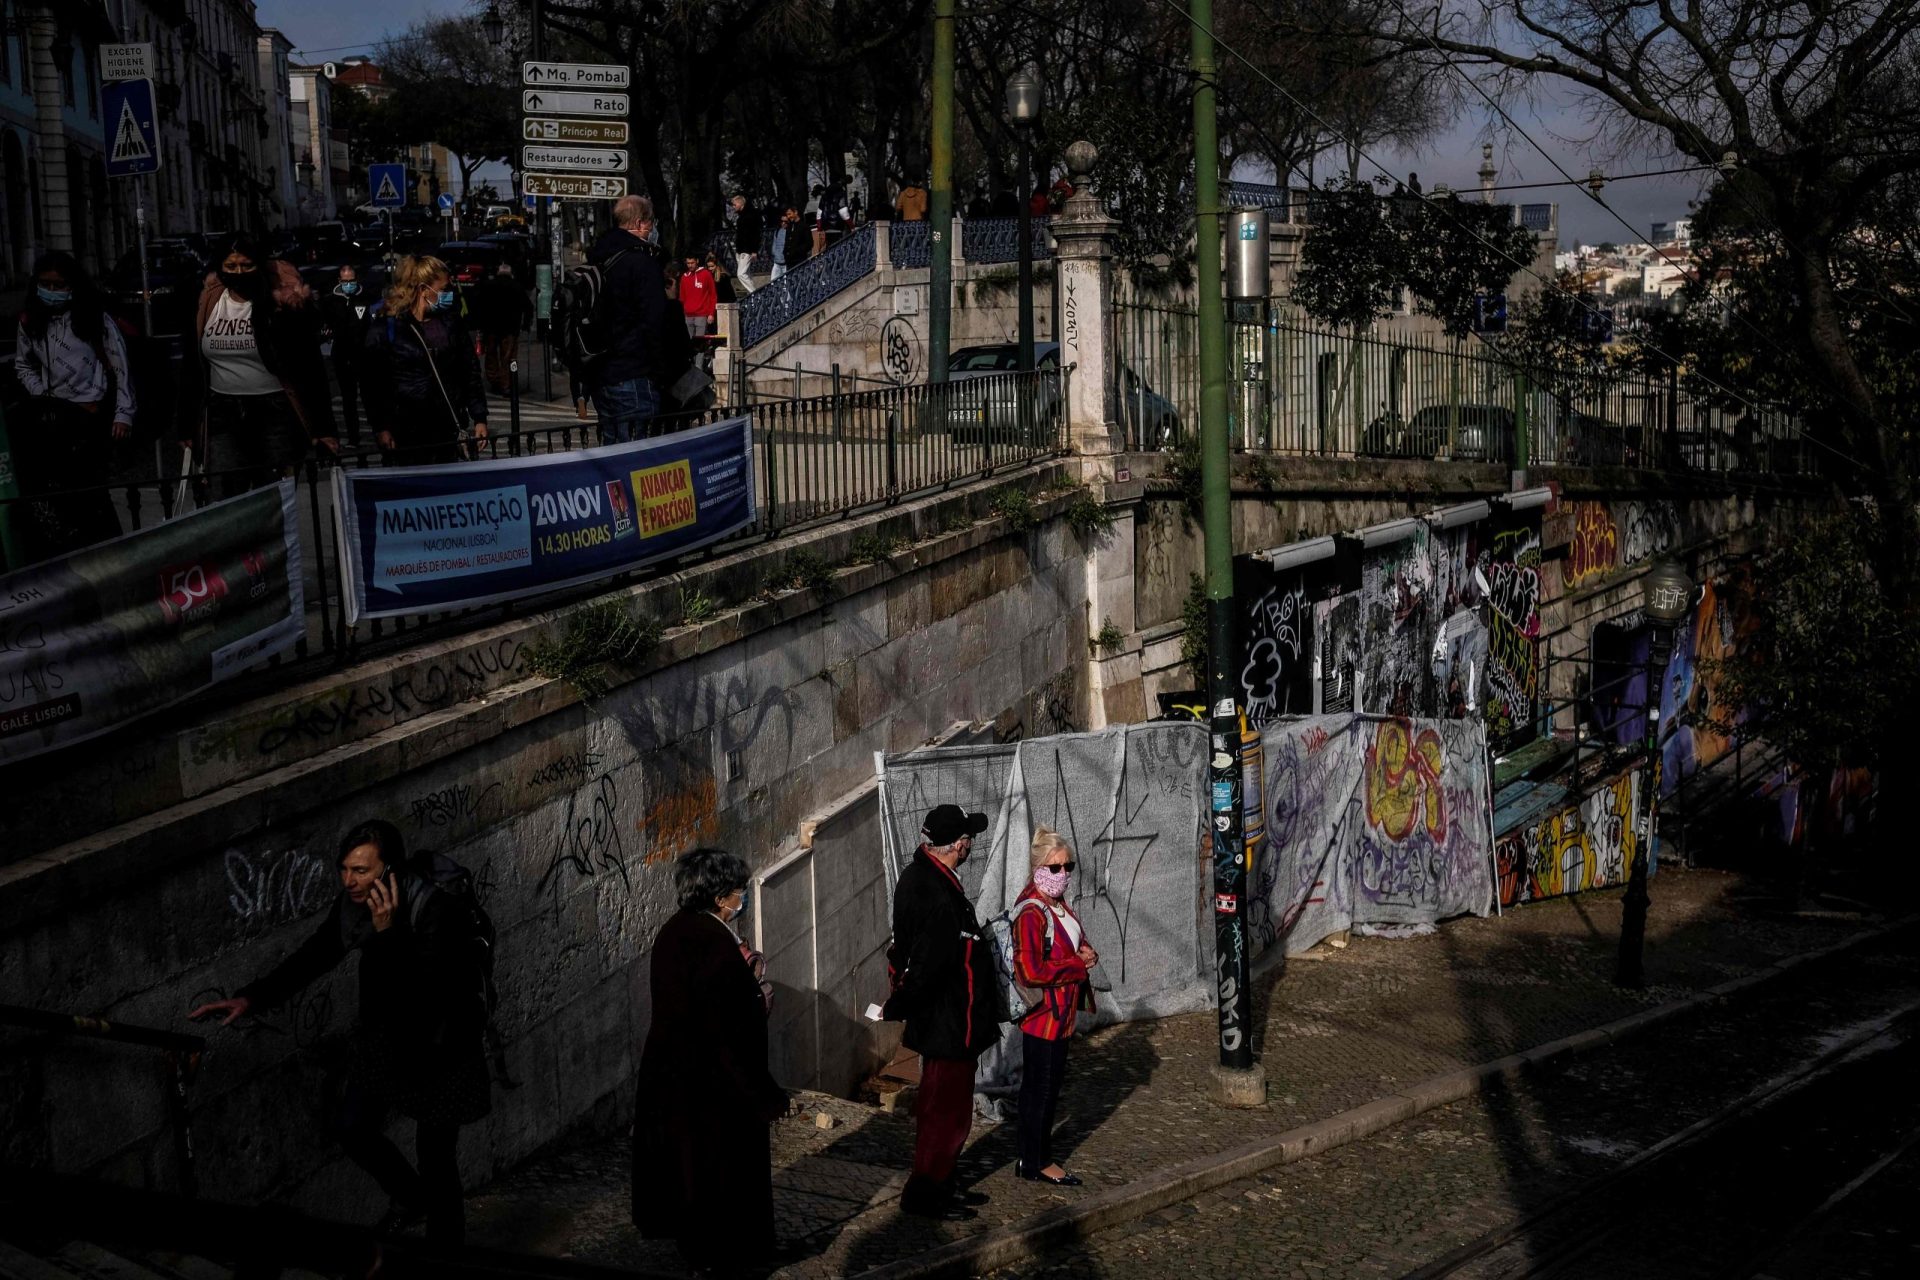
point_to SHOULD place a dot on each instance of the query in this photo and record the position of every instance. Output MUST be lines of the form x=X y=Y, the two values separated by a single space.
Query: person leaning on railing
x=254 y=389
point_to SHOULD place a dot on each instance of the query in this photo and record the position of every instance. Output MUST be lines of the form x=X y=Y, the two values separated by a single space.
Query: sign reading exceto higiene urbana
x=418 y=539
x=98 y=636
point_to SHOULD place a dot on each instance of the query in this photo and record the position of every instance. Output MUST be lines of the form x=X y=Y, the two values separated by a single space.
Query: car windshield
x=982 y=359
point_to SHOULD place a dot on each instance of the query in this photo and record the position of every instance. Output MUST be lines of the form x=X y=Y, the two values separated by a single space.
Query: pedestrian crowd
x=424 y=1046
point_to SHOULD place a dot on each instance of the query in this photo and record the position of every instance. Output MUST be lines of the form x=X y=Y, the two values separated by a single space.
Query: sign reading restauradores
x=576 y=75
x=581 y=159
x=418 y=539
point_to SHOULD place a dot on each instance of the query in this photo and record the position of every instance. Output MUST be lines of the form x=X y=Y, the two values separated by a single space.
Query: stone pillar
x=730 y=357
x=1084 y=298
x=56 y=201
x=1115 y=688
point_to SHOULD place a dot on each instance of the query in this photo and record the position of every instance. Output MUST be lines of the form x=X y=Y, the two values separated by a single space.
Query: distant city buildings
x=1650 y=274
x=246 y=135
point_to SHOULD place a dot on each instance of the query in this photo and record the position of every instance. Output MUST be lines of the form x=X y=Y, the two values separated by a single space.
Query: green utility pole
x=940 y=277
x=1238 y=1080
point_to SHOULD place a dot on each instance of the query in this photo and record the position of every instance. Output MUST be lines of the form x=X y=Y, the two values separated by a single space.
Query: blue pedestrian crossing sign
x=388 y=183
x=133 y=138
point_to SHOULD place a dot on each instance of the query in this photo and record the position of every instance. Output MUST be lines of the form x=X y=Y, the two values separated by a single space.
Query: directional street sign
x=388 y=183
x=133 y=138
x=551 y=102
x=575 y=75
x=446 y=200
x=571 y=187
x=126 y=62
x=593 y=133
x=577 y=159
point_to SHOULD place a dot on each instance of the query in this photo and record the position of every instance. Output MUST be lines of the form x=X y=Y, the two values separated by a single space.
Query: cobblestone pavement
x=1409 y=1195
x=1335 y=1028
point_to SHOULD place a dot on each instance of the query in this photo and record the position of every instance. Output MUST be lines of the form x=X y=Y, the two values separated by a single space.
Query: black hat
x=948 y=822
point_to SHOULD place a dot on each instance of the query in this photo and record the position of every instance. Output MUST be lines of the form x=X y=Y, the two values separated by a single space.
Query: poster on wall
x=133 y=625
x=420 y=539
x=1588 y=843
x=1277 y=664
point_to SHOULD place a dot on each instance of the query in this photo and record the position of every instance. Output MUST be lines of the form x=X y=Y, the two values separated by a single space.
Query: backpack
x=450 y=880
x=580 y=303
x=1022 y=1000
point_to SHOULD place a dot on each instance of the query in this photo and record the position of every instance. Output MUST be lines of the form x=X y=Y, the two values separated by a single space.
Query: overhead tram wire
x=1631 y=229
x=1518 y=264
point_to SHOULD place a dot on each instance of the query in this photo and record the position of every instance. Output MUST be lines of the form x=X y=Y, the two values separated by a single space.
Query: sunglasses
x=1058 y=866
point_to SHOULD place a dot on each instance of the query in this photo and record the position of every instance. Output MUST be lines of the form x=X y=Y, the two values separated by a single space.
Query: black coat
x=503 y=306
x=948 y=989
x=346 y=321
x=747 y=231
x=702 y=1167
x=420 y=1042
x=634 y=302
x=421 y=380
x=286 y=329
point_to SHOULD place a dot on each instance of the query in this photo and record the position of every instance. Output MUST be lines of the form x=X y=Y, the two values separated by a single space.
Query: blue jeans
x=625 y=409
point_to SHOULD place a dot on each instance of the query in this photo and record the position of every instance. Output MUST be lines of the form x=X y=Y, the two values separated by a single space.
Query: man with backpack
x=426 y=1000
x=946 y=988
x=614 y=331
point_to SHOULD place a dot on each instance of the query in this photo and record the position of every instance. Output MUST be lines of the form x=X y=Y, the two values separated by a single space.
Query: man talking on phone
x=419 y=1045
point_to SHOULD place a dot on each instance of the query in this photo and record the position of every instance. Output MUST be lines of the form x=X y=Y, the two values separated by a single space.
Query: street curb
x=1001 y=1246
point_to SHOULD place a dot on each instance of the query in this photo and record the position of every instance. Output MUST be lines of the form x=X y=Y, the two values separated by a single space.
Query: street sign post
x=126 y=62
x=133 y=146
x=571 y=187
x=593 y=133
x=549 y=102
x=576 y=159
x=388 y=185
x=575 y=75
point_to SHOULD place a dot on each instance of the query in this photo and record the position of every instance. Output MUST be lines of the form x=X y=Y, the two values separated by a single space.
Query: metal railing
x=778 y=303
x=183 y=1053
x=815 y=460
x=1298 y=205
x=1301 y=389
x=991 y=241
x=910 y=245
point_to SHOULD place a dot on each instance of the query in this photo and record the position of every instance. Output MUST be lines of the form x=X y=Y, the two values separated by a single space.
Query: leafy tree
x=452 y=87
x=1354 y=261
x=1816 y=108
x=1461 y=250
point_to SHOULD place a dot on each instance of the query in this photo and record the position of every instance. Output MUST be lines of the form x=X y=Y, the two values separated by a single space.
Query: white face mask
x=1052 y=883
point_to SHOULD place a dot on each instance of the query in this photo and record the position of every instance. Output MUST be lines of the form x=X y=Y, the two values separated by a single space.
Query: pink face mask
x=1051 y=883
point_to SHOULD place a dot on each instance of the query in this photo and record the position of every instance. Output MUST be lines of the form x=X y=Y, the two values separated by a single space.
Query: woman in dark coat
x=702 y=1160
x=419 y=1047
x=419 y=372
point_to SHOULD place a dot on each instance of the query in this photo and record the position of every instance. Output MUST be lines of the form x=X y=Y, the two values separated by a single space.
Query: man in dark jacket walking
x=345 y=313
x=504 y=312
x=947 y=990
x=420 y=1043
x=628 y=379
x=747 y=232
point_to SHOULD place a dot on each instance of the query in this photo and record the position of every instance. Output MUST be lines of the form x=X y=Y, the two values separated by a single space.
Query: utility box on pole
x=1248 y=256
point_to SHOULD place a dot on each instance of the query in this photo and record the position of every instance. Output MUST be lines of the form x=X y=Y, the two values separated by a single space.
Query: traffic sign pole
x=140 y=237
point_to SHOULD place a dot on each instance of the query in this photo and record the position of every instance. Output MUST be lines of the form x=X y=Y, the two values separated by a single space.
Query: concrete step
x=185 y=1266
x=18 y=1264
x=84 y=1258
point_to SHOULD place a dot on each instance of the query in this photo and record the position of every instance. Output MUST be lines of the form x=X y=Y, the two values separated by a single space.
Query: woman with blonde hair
x=421 y=377
x=1052 y=969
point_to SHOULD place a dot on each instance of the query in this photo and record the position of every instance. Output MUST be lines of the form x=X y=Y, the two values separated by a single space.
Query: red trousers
x=943 y=1115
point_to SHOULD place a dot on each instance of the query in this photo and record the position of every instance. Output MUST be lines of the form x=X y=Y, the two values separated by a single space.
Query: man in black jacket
x=419 y=1046
x=628 y=379
x=345 y=313
x=747 y=231
x=947 y=990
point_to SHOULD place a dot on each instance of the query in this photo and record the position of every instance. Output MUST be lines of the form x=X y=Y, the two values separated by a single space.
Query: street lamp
x=1023 y=108
x=494 y=26
x=1666 y=599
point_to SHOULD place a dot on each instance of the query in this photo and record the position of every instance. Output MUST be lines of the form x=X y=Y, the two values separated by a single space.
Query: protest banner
x=419 y=539
x=130 y=626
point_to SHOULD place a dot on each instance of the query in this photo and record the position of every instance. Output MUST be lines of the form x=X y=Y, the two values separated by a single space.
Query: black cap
x=948 y=822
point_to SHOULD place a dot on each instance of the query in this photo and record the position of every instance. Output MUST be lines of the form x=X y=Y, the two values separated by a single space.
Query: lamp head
x=1023 y=98
x=1667 y=595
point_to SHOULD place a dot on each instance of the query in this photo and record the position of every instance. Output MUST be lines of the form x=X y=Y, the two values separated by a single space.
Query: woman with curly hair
x=422 y=380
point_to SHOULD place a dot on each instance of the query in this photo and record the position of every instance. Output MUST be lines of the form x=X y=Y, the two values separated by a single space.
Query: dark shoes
x=1064 y=1180
x=975 y=1198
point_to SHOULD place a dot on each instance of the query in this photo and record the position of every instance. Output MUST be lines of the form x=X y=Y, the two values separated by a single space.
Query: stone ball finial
x=1080 y=158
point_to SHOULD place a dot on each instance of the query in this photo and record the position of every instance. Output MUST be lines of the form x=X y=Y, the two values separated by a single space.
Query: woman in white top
x=71 y=360
x=256 y=390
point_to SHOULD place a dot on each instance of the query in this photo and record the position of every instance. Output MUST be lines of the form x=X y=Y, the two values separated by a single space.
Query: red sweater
x=1061 y=971
x=697 y=297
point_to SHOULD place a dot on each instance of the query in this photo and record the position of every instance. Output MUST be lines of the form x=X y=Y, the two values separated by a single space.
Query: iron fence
x=815 y=460
x=997 y=240
x=778 y=303
x=1300 y=389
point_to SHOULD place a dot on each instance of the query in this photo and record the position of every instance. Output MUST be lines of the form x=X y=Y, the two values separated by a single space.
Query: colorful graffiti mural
x=1589 y=844
x=1513 y=631
x=1595 y=549
x=1370 y=821
x=1689 y=698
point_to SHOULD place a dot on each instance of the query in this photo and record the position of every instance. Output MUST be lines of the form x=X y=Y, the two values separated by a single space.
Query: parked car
x=471 y=261
x=993 y=413
x=1464 y=433
x=1150 y=417
x=1593 y=441
x=174 y=275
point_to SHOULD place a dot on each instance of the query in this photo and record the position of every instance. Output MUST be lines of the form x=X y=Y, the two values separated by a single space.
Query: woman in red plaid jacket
x=1050 y=953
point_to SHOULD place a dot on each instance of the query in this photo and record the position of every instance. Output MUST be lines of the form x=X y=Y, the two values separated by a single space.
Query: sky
x=340 y=28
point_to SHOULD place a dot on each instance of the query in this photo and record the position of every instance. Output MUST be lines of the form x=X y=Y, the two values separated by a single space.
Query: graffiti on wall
x=1336 y=630
x=1689 y=699
x=1396 y=584
x=1512 y=570
x=1647 y=529
x=1274 y=680
x=1595 y=549
x=1370 y=821
x=1589 y=844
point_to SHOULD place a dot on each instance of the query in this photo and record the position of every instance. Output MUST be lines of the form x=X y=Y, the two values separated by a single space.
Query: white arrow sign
x=575 y=75
x=572 y=186
x=579 y=159
x=553 y=102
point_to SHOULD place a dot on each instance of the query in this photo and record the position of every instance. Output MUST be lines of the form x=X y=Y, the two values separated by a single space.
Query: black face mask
x=245 y=283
